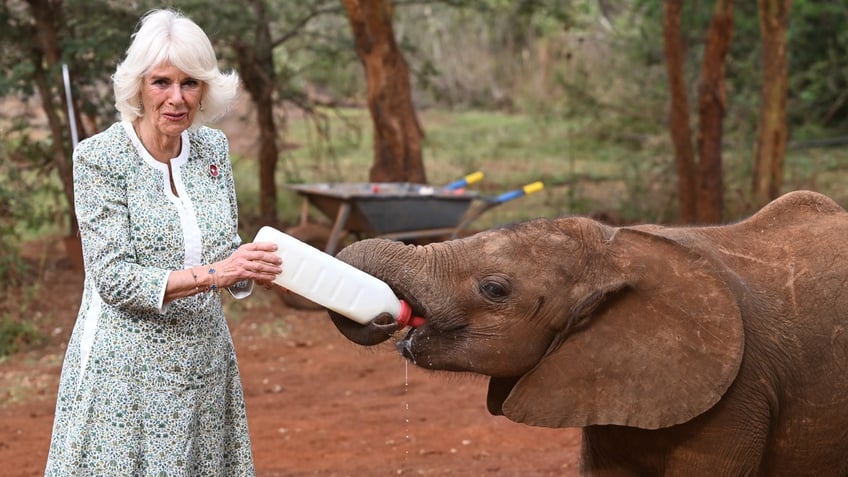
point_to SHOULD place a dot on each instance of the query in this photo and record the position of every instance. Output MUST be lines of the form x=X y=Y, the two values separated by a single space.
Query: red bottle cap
x=405 y=317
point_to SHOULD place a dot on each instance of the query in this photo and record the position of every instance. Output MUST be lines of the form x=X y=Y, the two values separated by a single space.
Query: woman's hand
x=252 y=261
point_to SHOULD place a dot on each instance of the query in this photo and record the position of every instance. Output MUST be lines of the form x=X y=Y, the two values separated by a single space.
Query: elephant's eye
x=494 y=288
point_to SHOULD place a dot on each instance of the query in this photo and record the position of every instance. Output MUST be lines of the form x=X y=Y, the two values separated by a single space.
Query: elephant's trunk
x=376 y=257
x=378 y=330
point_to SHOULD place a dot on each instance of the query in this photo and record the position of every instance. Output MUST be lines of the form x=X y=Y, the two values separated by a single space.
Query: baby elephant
x=702 y=351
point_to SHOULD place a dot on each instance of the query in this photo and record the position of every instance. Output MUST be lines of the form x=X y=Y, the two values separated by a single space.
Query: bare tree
x=44 y=55
x=681 y=131
x=770 y=148
x=712 y=104
x=254 y=34
x=701 y=183
x=256 y=66
x=397 y=132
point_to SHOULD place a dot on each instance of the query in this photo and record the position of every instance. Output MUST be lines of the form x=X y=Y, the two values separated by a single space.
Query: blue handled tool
x=467 y=180
x=490 y=202
x=514 y=194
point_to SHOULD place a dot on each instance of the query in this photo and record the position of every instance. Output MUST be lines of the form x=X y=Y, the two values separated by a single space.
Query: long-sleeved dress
x=149 y=389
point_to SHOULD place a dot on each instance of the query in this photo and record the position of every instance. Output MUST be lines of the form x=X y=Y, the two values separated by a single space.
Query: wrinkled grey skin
x=680 y=351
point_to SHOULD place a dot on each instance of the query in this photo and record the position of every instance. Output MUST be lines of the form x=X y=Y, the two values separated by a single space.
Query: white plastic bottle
x=333 y=284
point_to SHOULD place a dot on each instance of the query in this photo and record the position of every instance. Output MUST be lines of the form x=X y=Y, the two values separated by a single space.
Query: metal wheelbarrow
x=394 y=210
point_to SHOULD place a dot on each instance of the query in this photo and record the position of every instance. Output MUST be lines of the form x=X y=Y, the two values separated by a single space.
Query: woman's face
x=170 y=99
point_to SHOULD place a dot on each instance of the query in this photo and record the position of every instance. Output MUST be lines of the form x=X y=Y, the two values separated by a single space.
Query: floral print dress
x=151 y=389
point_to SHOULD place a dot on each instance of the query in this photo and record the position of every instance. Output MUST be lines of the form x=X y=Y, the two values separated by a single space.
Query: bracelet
x=194 y=275
x=214 y=286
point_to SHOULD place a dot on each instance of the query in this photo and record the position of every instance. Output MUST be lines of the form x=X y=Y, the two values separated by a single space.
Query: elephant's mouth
x=499 y=390
x=382 y=327
x=404 y=346
x=406 y=317
x=417 y=312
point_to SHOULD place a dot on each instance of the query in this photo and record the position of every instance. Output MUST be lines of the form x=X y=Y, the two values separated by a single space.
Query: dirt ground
x=317 y=404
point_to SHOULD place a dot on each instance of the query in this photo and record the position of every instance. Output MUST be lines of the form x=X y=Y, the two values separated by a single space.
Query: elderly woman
x=150 y=384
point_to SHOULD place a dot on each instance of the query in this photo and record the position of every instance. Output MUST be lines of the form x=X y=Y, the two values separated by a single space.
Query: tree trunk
x=397 y=132
x=46 y=51
x=681 y=132
x=712 y=99
x=256 y=66
x=770 y=148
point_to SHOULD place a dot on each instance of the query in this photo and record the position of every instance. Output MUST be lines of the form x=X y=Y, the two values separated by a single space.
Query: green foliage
x=511 y=149
x=624 y=175
x=94 y=39
x=21 y=184
x=15 y=69
x=82 y=34
x=818 y=48
x=311 y=41
x=579 y=87
x=17 y=335
x=476 y=54
x=19 y=328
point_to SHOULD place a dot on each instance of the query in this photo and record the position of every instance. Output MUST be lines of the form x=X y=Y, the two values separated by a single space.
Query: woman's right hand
x=255 y=261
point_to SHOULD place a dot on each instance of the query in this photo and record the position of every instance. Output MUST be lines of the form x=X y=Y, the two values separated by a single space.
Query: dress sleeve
x=100 y=198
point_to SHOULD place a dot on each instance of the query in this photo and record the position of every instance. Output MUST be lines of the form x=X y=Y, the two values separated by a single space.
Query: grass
x=512 y=150
x=16 y=335
x=587 y=168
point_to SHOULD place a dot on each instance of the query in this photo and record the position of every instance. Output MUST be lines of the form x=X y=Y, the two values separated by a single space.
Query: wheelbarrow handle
x=469 y=179
x=514 y=194
x=489 y=203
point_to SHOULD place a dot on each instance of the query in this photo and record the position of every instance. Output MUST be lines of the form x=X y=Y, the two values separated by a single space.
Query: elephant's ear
x=658 y=351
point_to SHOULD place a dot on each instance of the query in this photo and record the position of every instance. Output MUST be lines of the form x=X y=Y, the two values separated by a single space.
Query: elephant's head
x=576 y=323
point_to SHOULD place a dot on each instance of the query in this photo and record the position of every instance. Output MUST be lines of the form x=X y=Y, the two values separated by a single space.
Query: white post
x=72 y=119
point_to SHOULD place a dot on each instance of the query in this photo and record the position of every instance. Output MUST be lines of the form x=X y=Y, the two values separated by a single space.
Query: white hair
x=166 y=36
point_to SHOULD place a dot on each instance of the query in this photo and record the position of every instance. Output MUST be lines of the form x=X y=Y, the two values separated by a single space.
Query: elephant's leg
x=614 y=451
x=712 y=444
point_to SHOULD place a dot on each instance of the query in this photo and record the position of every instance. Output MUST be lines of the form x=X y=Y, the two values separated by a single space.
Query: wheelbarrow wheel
x=316 y=235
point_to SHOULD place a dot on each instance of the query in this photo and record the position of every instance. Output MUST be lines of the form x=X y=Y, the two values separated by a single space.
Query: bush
x=18 y=335
x=30 y=198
